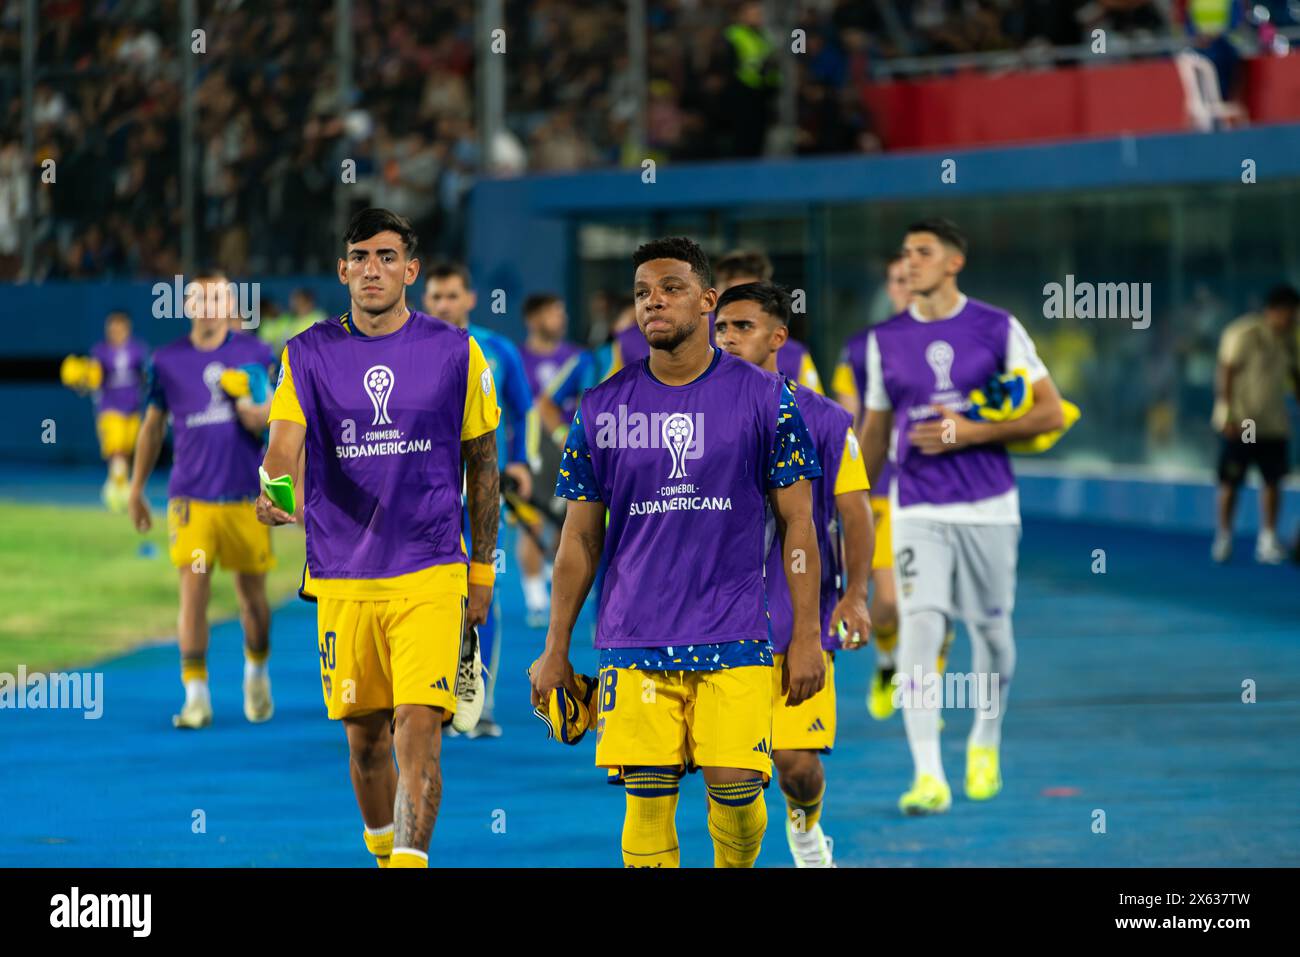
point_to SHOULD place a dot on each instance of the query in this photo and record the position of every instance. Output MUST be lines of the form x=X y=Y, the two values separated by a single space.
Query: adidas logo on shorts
x=817 y=725
x=762 y=747
x=441 y=684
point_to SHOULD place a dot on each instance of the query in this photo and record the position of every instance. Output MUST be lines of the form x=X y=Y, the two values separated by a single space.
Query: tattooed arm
x=483 y=493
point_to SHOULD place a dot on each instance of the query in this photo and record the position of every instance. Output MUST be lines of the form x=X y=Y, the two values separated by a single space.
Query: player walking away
x=1257 y=368
x=212 y=385
x=392 y=408
x=545 y=352
x=449 y=295
x=683 y=451
x=954 y=504
x=752 y=323
x=113 y=374
x=744 y=266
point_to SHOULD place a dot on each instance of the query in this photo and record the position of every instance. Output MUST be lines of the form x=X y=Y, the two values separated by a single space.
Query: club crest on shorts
x=378 y=383
x=678 y=433
x=939 y=356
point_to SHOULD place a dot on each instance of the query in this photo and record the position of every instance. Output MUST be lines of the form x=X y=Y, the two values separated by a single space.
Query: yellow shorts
x=224 y=532
x=714 y=719
x=376 y=655
x=809 y=726
x=117 y=432
x=883 y=557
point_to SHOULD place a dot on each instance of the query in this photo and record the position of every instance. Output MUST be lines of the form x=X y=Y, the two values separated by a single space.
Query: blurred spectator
x=753 y=77
x=1257 y=370
x=1209 y=24
x=272 y=135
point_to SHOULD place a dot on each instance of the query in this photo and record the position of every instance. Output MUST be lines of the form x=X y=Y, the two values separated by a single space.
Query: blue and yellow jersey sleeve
x=852 y=474
x=576 y=478
x=153 y=390
x=284 y=403
x=568 y=381
x=793 y=456
x=513 y=393
x=808 y=376
x=482 y=411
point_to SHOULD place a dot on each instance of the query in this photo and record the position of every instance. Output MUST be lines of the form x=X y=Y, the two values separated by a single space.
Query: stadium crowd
x=272 y=136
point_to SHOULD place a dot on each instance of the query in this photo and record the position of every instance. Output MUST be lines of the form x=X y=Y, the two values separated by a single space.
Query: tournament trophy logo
x=212 y=379
x=939 y=355
x=378 y=383
x=678 y=432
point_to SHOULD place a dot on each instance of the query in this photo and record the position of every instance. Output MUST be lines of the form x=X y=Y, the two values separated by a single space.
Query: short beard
x=680 y=336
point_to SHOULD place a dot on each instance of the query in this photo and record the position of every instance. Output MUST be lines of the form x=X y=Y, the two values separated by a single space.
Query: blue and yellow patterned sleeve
x=153 y=390
x=576 y=479
x=793 y=456
x=570 y=380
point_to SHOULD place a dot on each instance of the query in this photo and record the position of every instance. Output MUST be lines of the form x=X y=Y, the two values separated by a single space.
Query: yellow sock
x=737 y=821
x=407 y=857
x=379 y=842
x=194 y=669
x=886 y=637
x=804 y=815
x=650 y=822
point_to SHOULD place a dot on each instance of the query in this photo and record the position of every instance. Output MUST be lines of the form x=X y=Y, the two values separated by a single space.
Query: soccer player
x=849 y=385
x=449 y=295
x=752 y=322
x=1257 y=369
x=954 y=506
x=545 y=352
x=684 y=451
x=122 y=360
x=743 y=266
x=558 y=402
x=217 y=430
x=392 y=408
x=303 y=314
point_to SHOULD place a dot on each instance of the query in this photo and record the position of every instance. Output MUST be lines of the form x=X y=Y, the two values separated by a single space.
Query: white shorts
x=961 y=571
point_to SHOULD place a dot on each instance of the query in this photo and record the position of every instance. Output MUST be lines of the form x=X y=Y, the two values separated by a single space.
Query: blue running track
x=1127 y=700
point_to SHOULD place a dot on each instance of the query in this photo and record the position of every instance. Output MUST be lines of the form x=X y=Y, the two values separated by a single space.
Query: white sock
x=993 y=651
x=535 y=596
x=254 y=669
x=1267 y=537
x=196 y=691
x=548 y=571
x=920 y=636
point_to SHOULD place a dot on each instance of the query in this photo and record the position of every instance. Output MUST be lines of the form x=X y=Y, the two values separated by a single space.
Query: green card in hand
x=278 y=490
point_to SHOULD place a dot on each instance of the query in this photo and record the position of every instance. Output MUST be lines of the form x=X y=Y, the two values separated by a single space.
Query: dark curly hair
x=680 y=248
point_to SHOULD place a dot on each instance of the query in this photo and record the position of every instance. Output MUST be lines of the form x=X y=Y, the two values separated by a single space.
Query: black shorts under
x=1270 y=456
